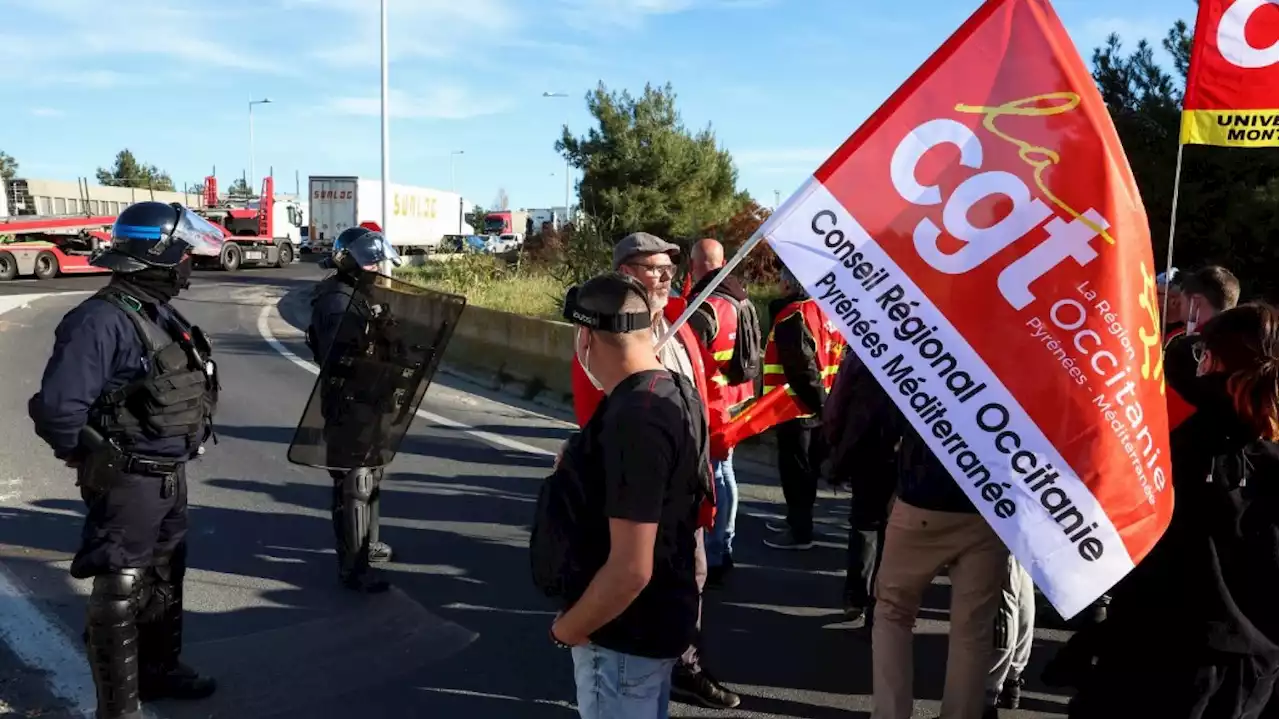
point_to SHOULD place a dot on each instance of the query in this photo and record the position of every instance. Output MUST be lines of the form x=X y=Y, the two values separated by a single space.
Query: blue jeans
x=613 y=685
x=720 y=538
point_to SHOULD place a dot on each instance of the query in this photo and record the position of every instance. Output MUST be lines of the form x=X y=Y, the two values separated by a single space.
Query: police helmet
x=155 y=234
x=359 y=247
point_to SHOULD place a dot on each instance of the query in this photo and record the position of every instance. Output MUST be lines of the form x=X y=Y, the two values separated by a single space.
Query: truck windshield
x=493 y=225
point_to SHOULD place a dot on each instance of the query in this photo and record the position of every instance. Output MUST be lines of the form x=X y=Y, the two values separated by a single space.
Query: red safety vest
x=830 y=347
x=725 y=401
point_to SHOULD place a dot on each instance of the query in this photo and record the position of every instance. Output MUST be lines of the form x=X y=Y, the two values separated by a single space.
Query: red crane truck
x=44 y=246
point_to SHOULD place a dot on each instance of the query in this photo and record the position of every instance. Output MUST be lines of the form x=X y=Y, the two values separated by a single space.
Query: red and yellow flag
x=981 y=244
x=1232 y=97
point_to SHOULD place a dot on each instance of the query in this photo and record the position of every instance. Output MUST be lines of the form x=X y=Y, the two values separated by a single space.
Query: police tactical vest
x=179 y=392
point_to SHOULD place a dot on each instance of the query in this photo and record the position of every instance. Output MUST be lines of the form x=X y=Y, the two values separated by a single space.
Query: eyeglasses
x=664 y=272
x=1197 y=352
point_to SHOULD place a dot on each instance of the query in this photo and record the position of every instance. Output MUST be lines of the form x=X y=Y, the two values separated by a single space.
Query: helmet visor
x=202 y=236
x=371 y=249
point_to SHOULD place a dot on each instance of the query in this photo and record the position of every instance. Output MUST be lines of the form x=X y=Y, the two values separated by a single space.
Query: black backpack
x=748 y=345
x=564 y=548
x=562 y=562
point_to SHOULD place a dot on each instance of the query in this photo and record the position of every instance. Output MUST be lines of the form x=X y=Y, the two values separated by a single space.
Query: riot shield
x=377 y=370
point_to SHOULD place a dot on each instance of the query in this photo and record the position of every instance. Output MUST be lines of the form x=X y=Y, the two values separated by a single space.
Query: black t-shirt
x=640 y=447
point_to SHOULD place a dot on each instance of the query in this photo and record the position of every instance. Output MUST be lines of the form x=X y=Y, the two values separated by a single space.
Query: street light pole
x=566 y=164
x=252 y=176
x=453 y=177
x=386 y=145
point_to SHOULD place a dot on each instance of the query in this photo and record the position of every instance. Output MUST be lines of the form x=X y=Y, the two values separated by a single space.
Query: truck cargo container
x=420 y=216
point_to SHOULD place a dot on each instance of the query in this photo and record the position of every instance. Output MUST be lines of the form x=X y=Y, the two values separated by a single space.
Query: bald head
x=707 y=256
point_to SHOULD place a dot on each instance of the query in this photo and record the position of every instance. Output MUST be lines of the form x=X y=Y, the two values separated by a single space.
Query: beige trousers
x=918 y=544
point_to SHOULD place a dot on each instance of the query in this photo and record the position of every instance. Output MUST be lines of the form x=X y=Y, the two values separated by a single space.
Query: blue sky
x=782 y=82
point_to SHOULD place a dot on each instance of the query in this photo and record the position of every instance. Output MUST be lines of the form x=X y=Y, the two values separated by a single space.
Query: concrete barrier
x=504 y=349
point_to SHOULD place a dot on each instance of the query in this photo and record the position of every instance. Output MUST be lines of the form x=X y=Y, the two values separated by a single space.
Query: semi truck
x=508 y=222
x=420 y=217
x=37 y=239
x=262 y=231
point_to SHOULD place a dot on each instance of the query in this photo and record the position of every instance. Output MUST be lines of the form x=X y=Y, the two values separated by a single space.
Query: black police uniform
x=127 y=398
x=356 y=492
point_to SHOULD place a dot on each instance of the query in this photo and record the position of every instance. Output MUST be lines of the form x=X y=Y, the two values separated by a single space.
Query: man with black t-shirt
x=641 y=462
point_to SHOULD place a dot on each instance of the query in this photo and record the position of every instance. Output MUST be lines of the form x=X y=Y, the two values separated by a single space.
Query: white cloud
x=166 y=28
x=441 y=102
x=47 y=112
x=433 y=29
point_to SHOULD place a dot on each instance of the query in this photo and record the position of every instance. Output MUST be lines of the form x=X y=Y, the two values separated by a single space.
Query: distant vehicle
x=507 y=222
x=420 y=217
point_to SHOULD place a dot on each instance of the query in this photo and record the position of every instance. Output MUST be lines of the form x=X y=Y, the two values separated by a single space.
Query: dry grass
x=492 y=283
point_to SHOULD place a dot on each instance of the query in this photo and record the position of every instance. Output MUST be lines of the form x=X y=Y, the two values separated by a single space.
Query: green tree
x=643 y=170
x=475 y=218
x=239 y=188
x=1228 y=196
x=128 y=172
x=8 y=166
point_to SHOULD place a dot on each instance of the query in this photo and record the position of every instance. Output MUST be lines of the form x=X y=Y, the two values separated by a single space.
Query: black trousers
x=1165 y=682
x=133 y=545
x=868 y=516
x=801 y=451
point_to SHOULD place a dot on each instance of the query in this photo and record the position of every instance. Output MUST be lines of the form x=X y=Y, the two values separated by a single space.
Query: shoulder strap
x=149 y=330
x=700 y=433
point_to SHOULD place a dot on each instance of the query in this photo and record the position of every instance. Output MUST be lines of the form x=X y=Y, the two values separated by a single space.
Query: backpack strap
x=140 y=315
x=701 y=435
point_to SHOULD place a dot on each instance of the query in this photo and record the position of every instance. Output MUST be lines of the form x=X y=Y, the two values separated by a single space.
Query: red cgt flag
x=981 y=244
x=772 y=409
x=1232 y=93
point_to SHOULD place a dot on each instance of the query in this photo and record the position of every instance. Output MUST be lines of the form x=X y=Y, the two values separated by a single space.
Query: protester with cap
x=651 y=261
x=618 y=550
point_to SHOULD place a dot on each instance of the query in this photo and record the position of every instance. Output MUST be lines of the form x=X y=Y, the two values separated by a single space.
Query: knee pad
x=114 y=598
x=358 y=484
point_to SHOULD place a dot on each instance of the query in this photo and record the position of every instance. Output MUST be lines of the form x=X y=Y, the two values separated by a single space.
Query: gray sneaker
x=787 y=540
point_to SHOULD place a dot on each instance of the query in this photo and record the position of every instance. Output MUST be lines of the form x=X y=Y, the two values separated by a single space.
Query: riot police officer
x=127 y=398
x=355 y=491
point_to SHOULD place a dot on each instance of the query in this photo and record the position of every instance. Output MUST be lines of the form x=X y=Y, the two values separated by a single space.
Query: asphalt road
x=464 y=633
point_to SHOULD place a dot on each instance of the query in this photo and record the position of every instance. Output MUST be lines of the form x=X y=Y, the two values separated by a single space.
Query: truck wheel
x=285 y=257
x=46 y=266
x=8 y=267
x=231 y=257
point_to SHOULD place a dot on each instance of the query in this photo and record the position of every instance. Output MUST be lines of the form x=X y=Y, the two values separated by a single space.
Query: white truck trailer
x=420 y=216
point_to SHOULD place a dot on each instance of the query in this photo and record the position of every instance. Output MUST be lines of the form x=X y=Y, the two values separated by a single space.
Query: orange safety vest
x=830 y=347
x=724 y=400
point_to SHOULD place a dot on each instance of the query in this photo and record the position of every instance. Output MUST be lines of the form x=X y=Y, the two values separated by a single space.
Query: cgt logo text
x=1065 y=240
x=1233 y=43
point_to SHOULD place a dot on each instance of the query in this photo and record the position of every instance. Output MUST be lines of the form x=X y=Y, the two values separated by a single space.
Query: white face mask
x=584 y=359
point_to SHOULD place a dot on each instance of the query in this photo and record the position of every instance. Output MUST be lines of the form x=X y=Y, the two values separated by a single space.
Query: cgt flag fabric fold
x=1233 y=95
x=981 y=244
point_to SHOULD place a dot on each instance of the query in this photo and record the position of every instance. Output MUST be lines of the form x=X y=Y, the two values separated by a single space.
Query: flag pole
x=1173 y=219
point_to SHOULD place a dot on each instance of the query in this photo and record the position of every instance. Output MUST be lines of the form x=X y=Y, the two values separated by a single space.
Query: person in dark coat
x=864 y=455
x=1192 y=631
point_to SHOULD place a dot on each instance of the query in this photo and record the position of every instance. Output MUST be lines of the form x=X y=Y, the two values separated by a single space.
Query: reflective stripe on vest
x=724 y=398
x=830 y=347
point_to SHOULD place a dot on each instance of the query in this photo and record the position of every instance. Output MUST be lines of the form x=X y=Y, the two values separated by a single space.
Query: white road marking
x=14 y=302
x=40 y=644
x=264 y=329
x=37 y=639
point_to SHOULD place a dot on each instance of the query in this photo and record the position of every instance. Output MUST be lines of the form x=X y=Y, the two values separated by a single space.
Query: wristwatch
x=552 y=634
